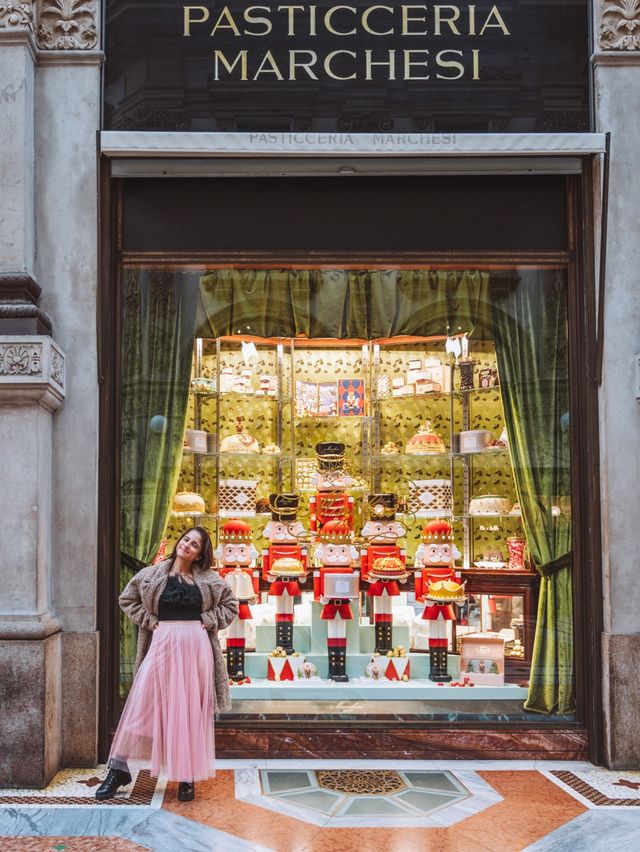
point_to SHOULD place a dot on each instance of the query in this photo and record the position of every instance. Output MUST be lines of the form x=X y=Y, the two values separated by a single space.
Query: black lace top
x=180 y=601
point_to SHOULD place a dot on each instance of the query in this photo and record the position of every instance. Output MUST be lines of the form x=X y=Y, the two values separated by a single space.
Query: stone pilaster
x=616 y=62
x=32 y=388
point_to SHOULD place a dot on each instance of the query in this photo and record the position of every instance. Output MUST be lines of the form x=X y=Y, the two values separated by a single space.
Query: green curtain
x=157 y=352
x=339 y=303
x=530 y=327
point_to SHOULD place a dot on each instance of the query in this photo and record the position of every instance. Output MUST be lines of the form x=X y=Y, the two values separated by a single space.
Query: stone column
x=31 y=390
x=616 y=62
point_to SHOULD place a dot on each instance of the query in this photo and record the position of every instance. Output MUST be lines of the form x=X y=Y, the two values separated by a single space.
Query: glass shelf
x=488 y=515
x=203 y=515
x=243 y=456
x=318 y=418
x=414 y=457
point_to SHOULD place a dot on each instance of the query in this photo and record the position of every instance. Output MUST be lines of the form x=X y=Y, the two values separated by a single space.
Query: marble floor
x=335 y=806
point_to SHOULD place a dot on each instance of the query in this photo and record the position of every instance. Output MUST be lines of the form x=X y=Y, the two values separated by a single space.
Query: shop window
x=393 y=444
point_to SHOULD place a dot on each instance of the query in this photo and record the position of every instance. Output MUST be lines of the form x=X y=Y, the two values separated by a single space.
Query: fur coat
x=139 y=601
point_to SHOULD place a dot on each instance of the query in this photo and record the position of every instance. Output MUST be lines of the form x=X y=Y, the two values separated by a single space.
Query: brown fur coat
x=139 y=601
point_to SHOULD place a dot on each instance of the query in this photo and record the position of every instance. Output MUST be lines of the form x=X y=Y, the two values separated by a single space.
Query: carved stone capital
x=32 y=371
x=620 y=25
x=67 y=24
x=19 y=311
x=16 y=16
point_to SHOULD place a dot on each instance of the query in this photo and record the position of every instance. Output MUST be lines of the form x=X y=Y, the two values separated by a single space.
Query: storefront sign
x=516 y=65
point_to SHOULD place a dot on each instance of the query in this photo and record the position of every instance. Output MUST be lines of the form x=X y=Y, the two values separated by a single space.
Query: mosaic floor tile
x=603 y=787
x=69 y=844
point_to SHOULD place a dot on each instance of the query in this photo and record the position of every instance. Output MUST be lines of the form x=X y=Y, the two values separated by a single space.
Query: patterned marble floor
x=335 y=806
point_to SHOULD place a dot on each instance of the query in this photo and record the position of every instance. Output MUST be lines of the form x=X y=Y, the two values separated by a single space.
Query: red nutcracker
x=284 y=563
x=331 y=501
x=335 y=584
x=384 y=576
x=437 y=584
x=236 y=558
x=381 y=532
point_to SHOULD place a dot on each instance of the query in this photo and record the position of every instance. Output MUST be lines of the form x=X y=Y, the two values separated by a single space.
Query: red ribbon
x=330 y=610
x=279 y=587
x=380 y=586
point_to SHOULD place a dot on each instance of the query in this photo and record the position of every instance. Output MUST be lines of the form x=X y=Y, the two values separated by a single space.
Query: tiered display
x=364 y=480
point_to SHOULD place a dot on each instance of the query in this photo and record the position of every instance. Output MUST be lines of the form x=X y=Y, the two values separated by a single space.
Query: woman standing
x=180 y=676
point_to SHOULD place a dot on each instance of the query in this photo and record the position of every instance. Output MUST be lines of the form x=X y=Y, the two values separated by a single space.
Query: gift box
x=237 y=498
x=482 y=658
x=395 y=668
x=284 y=668
x=430 y=498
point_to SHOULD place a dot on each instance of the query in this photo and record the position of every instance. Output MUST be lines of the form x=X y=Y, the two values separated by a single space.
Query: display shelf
x=206 y=516
x=414 y=458
x=364 y=689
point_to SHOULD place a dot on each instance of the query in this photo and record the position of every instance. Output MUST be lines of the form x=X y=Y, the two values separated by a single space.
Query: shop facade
x=315 y=290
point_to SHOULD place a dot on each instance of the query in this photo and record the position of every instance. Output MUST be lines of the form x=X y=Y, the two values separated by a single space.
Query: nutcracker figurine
x=384 y=576
x=331 y=501
x=284 y=563
x=335 y=584
x=236 y=558
x=381 y=532
x=437 y=584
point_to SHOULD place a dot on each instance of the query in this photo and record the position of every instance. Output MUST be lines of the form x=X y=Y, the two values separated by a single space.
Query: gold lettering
x=328 y=15
x=365 y=20
x=188 y=20
x=298 y=63
x=439 y=19
x=241 y=58
x=390 y=64
x=268 y=66
x=291 y=15
x=441 y=62
x=407 y=19
x=312 y=21
x=230 y=25
x=328 y=60
x=251 y=18
x=409 y=62
x=472 y=20
x=500 y=24
x=476 y=64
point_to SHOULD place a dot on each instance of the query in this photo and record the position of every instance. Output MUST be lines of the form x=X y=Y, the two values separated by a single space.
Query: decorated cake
x=281 y=666
x=241 y=442
x=489 y=504
x=287 y=566
x=388 y=568
x=188 y=501
x=446 y=591
x=425 y=441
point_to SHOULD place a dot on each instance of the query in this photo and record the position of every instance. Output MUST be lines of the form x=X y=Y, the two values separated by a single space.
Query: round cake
x=239 y=443
x=425 y=441
x=445 y=590
x=188 y=501
x=489 y=504
x=287 y=566
x=388 y=568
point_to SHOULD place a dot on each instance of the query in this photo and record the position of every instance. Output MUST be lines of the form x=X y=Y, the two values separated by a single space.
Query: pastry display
x=501 y=443
x=188 y=502
x=491 y=559
x=203 y=385
x=388 y=568
x=287 y=566
x=489 y=504
x=241 y=442
x=474 y=440
x=425 y=441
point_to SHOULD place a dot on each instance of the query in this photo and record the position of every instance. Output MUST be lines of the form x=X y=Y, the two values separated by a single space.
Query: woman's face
x=189 y=546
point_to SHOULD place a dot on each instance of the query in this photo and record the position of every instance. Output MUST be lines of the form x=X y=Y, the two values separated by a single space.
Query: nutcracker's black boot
x=186 y=791
x=384 y=637
x=438 y=665
x=115 y=779
x=338 y=664
x=284 y=636
x=235 y=663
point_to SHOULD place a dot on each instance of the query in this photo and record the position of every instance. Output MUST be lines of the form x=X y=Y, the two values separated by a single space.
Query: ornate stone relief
x=20 y=359
x=16 y=16
x=67 y=24
x=620 y=25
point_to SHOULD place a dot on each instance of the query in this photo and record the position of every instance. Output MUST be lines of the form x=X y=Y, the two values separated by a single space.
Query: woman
x=167 y=721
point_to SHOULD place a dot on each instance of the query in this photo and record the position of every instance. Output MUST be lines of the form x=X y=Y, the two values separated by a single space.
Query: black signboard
x=356 y=66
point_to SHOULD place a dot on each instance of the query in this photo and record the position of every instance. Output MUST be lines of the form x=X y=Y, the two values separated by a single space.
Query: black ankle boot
x=116 y=778
x=186 y=791
x=438 y=665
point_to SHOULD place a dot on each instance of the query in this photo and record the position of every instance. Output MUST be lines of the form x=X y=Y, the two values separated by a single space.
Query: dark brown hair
x=205 y=560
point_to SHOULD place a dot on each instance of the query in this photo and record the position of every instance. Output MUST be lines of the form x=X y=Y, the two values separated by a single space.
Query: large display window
x=382 y=457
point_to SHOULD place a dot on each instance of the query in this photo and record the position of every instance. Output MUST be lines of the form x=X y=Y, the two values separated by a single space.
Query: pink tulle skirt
x=167 y=721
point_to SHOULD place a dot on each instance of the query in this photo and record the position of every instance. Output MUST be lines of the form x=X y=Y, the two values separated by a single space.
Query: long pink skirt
x=167 y=722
